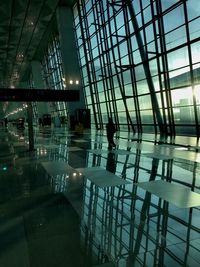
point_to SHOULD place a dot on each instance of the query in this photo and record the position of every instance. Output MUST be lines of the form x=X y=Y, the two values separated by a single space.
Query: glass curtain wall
x=140 y=62
x=53 y=73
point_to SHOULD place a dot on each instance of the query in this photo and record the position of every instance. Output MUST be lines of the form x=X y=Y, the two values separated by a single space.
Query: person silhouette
x=110 y=130
x=111 y=162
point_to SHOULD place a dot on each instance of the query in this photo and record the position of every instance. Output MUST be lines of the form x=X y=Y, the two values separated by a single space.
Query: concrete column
x=23 y=85
x=69 y=55
x=43 y=107
x=30 y=126
x=30 y=119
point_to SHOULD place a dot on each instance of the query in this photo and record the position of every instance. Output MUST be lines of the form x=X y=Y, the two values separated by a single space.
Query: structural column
x=144 y=57
x=69 y=54
x=30 y=126
x=29 y=119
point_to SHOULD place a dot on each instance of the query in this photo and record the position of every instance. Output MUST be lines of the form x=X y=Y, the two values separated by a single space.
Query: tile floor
x=71 y=202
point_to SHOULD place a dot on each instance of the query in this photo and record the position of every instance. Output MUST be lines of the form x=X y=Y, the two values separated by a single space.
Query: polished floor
x=72 y=202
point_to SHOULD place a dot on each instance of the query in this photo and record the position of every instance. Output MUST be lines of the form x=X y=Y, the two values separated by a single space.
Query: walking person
x=110 y=130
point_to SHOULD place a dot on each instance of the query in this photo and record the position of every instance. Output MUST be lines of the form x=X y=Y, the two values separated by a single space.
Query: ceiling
x=23 y=24
x=24 y=27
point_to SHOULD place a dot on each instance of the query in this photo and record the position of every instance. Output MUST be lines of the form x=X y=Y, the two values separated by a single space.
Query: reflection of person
x=79 y=128
x=40 y=121
x=111 y=162
x=110 y=130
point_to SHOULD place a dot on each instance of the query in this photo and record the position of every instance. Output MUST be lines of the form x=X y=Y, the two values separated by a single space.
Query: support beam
x=144 y=57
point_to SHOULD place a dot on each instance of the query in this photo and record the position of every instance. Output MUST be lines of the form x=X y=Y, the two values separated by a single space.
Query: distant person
x=110 y=130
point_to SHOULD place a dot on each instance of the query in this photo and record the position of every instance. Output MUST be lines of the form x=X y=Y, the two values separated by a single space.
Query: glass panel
x=194 y=29
x=137 y=57
x=196 y=73
x=147 y=14
x=134 y=43
x=127 y=77
x=137 y=6
x=89 y=100
x=133 y=117
x=120 y=105
x=139 y=72
x=145 y=102
x=147 y=116
x=167 y=3
x=189 y=130
x=145 y=3
x=182 y=97
x=158 y=96
x=176 y=38
x=153 y=67
x=139 y=19
x=122 y=117
x=195 y=52
x=142 y=87
x=120 y=19
x=198 y=111
x=103 y=107
x=178 y=58
x=125 y=60
x=105 y=117
x=130 y=104
x=197 y=94
x=117 y=93
x=180 y=78
x=100 y=86
x=193 y=7
x=156 y=83
x=184 y=115
x=128 y=89
x=102 y=97
x=173 y=19
x=151 y=50
x=149 y=33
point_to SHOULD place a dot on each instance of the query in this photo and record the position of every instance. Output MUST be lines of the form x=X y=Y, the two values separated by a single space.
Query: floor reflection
x=52 y=198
